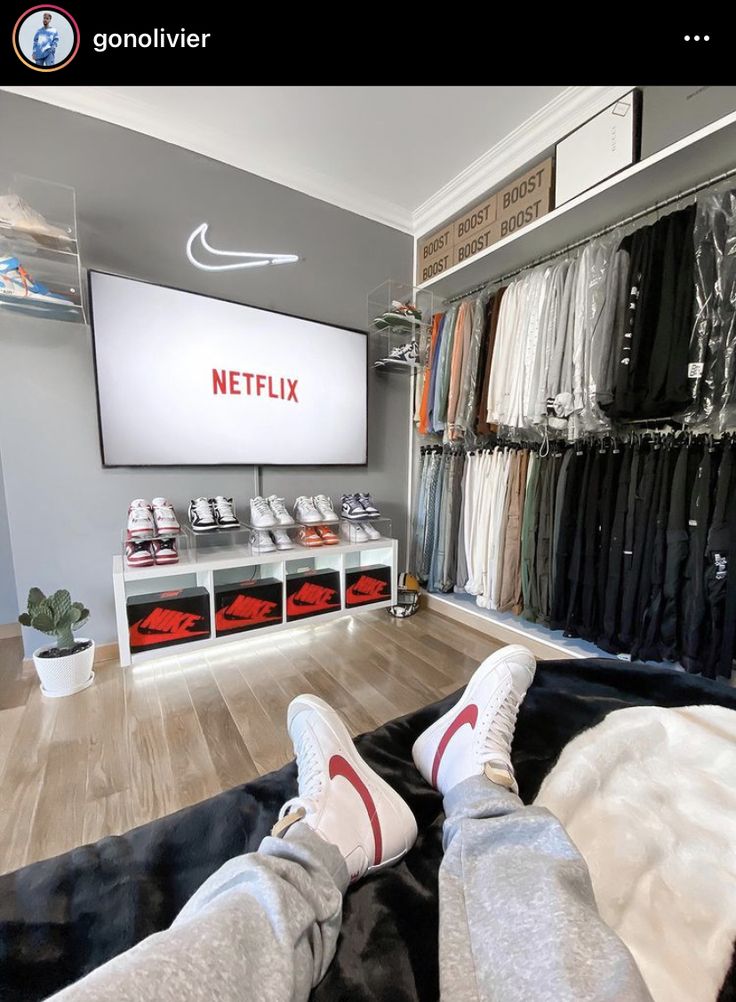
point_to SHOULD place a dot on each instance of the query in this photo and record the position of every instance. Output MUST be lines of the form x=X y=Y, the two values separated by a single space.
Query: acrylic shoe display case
x=391 y=334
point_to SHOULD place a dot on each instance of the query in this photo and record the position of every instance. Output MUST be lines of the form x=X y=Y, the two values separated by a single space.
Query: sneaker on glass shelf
x=308 y=536
x=352 y=509
x=368 y=507
x=449 y=752
x=339 y=796
x=324 y=506
x=401 y=317
x=279 y=510
x=140 y=519
x=261 y=541
x=164 y=516
x=355 y=533
x=138 y=554
x=328 y=536
x=402 y=354
x=305 y=510
x=370 y=531
x=16 y=282
x=282 y=539
x=201 y=516
x=15 y=212
x=261 y=516
x=224 y=512
x=165 y=551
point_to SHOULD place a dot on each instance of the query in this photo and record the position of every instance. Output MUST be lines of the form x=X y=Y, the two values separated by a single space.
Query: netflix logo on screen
x=254 y=384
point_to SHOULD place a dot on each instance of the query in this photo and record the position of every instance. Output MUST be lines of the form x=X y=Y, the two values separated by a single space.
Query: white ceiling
x=400 y=155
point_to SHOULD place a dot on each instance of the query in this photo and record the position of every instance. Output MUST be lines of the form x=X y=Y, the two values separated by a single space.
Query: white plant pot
x=66 y=675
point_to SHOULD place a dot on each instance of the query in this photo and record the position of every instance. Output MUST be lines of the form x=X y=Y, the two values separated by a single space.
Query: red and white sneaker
x=165 y=551
x=328 y=537
x=474 y=737
x=340 y=797
x=140 y=519
x=308 y=536
x=164 y=517
x=138 y=554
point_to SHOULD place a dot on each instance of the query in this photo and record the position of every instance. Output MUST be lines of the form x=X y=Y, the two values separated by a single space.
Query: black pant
x=717 y=557
x=677 y=545
x=693 y=604
x=651 y=596
x=608 y=639
x=635 y=553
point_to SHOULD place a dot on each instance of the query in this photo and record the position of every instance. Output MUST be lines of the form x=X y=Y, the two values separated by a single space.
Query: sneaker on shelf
x=448 y=752
x=15 y=281
x=201 y=516
x=355 y=533
x=165 y=517
x=368 y=507
x=324 y=506
x=402 y=354
x=261 y=541
x=308 y=536
x=282 y=539
x=140 y=519
x=138 y=554
x=339 y=796
x=352 y=509
x=15 y=212
x=328 y=536
x=279 y=510
x=305 y=510
x=224 y=512
x=401 y=317
x=370 y=531
x=165 y=551
x=261 y=516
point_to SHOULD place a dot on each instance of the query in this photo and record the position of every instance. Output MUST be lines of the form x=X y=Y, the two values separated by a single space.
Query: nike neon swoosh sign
x=197 y=243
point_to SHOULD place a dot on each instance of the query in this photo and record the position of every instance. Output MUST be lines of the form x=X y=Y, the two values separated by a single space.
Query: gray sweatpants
x=517 y=920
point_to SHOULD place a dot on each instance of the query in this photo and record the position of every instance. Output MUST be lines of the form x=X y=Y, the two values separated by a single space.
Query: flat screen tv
x=188 y=380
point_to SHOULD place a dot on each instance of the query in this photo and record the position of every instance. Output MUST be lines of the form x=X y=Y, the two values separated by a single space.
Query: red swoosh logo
x=139 y=639
x=341 y=767
x=468 y=716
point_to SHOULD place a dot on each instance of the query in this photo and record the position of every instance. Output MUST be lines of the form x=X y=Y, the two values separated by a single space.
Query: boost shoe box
x=364 y=585
x=166 y=618
x=312 y=593
x=247 y=605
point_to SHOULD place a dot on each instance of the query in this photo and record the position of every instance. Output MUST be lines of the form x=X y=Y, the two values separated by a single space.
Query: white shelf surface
x=690 y=161
x=225 y=557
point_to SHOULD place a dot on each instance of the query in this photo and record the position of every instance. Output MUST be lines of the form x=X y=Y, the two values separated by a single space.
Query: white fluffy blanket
x=649 y=798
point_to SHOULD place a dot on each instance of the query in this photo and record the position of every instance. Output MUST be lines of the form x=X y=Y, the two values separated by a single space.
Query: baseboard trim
x=104 y=653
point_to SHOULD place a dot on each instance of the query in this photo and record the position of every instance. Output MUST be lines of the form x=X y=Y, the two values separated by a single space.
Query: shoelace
x=499 y=737
x=311 y=778
x=261 y=506
x=202 y=509
x=278 y=507
x=322 y=501
x=140 y=515
x=308 y=505
x=164 y=509
x=225 y=507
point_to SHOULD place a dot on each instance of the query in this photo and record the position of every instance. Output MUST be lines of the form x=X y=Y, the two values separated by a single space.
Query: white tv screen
x=186 y=380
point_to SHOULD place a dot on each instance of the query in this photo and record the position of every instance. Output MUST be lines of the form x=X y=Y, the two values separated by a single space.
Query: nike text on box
x=364 y=585
x=247 y=605
x=312 y=593
x=252 y=384
x=166 y=618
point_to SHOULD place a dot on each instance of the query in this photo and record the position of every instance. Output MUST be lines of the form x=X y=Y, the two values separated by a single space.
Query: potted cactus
x=66 y=667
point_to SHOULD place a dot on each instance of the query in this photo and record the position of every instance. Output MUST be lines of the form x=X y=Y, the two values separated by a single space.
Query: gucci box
x=166 y=618
x=364 y=585
x=247 y=605
x=312 y=593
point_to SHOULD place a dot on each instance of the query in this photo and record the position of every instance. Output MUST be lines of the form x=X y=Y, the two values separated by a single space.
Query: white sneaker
x=165 y=517
x=279 y=510
x=340 y=797
x=16 y=212
x=201 y=516
x=261 y=541
x=261 y=516
x=140 y=519
x=449 y=752
x=355 y=533
x=306 y=511
x=369 y=530
x=224 y=511
x=282 y=539
x=324 y=506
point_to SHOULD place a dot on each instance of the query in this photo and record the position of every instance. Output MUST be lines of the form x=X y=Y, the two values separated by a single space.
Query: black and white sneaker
x=368 y=507
x=224 y=512
x=201 y=516
x=352 y=509
x=401 y=317
x=402 y=354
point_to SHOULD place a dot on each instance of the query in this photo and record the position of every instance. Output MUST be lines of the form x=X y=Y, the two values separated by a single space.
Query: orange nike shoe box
x=364 y=585
x=166 y=618
x=312 y=593
x=248 y=605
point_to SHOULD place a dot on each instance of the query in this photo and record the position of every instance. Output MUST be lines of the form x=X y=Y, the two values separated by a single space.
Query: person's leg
x=265 y=925
x=518 y=920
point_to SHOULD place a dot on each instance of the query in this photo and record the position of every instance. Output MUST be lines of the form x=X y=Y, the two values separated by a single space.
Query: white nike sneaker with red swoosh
x=340 y=797
x=474 y=737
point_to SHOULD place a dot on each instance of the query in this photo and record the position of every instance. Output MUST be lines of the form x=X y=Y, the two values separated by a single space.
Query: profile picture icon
x=46 y=38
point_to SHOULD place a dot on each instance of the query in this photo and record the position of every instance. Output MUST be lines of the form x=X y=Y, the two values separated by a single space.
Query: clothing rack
x=657 y=207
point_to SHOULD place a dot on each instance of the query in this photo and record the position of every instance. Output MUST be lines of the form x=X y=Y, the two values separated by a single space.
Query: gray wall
x=138 y=199
x=8 y=603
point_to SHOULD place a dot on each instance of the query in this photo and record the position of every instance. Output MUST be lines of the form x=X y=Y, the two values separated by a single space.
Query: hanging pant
x=717 y=560
x=518 y=920
x=693 y=606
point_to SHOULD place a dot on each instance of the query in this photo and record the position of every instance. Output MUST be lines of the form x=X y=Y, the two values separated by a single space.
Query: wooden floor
x=147 y=740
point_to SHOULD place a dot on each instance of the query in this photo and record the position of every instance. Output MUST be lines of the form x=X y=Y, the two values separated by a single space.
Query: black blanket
x=62 y=917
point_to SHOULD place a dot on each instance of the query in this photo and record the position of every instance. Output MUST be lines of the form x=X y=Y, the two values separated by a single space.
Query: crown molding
x=109 y=105
x=533 y=137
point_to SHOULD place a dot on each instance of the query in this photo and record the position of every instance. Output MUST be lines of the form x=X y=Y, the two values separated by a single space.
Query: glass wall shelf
x=399 y=339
